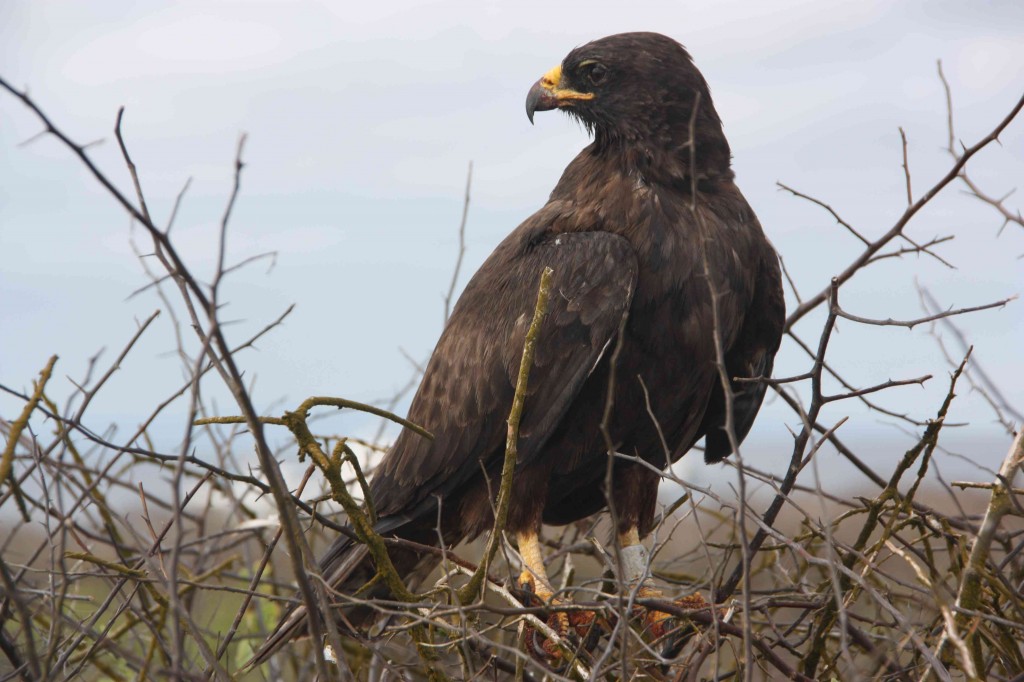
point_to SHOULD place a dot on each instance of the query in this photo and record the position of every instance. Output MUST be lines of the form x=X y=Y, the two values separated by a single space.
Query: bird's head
x=636 y=90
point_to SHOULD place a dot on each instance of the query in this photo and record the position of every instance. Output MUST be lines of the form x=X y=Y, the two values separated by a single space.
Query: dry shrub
x=903 y=580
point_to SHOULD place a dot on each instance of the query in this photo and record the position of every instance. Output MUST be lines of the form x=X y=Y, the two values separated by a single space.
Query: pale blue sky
x=362 y=118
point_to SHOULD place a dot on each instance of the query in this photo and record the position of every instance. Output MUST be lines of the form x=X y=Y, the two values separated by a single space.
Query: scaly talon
x=578 y=629
x=586 y=626
x=657 y=625
x=558 y=621
x=534 y=582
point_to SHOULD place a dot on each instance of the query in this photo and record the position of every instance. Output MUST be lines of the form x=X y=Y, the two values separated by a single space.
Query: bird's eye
x=597 y=73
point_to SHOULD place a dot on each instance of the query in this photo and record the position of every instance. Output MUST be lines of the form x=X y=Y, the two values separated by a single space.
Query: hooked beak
x=548 y=93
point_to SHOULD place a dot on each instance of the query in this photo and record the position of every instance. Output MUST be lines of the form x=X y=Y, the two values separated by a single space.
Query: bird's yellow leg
x=534 y=574
x=656 y=624
x=534 y=577
x=634 y=572
x=634 y=557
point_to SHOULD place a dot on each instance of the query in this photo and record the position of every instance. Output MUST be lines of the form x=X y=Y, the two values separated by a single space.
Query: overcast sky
x=362 y=119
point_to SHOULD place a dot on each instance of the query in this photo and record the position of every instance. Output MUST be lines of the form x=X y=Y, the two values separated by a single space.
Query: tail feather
x=347 y=566
x=349 y=562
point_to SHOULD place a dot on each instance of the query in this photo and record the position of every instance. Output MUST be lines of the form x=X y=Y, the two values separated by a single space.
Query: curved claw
x=547 y=650
x=658 y=626
x=578 y=628
x=587 y=627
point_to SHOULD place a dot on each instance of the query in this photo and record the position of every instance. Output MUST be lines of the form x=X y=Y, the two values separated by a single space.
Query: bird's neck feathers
x=667 y=157
x=660 y=149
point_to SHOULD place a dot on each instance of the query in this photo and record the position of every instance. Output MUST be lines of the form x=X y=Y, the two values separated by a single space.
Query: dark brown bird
x=643 y=227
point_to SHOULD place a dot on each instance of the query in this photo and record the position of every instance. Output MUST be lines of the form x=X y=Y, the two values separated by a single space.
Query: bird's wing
x=467 y=388
x=753 y=355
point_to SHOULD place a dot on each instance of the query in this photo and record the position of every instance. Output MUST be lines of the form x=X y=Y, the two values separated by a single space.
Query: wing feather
x=467 y=388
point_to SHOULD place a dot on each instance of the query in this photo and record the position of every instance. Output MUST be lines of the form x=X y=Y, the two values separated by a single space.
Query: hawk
x=657 y=257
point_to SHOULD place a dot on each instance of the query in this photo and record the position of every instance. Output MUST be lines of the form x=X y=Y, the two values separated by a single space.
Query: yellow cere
x=553 y=78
